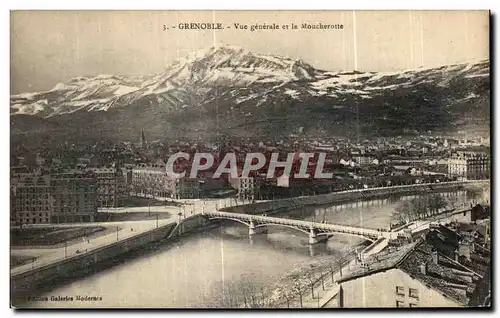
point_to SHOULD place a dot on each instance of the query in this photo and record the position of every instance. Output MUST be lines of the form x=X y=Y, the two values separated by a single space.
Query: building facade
x=74 y=197
x=469 y=165
x=248 y=188
x=183 y=188
x=111 y=187
x=149 y=181
x=363 y=160
x=152 y=181
x=393 y=288
x=31 y=199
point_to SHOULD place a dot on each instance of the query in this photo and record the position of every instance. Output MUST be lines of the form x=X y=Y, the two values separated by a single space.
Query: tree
x=419 y=208
x=245 y=293
x=436 y=202
x=403 y=211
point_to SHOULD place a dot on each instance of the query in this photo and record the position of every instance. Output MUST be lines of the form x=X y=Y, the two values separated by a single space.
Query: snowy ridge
x=231 y=75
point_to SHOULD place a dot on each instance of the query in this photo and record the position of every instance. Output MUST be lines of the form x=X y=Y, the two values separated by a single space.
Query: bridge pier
x=314 y=238
x=253 y=229
x=312 y=251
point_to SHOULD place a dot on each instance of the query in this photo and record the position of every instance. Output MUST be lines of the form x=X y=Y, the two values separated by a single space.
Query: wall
x=344 y=196
x=188 y=225
x=379 y=290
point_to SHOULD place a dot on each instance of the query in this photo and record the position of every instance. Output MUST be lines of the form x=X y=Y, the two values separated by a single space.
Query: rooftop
x=431 y=260
x=379 y=262
x=447 y=276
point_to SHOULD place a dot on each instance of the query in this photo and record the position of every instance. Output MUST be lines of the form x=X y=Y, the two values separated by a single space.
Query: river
x=201 y=269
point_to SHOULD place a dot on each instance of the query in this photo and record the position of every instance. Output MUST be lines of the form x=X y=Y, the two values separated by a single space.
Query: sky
x=48 y=47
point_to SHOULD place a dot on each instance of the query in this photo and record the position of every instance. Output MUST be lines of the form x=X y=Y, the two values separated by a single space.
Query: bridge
x=317 y=231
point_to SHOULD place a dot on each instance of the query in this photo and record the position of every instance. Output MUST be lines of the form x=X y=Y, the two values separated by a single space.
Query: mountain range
x=231 y=91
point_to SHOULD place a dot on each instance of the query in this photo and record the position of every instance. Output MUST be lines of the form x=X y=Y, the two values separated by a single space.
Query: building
x=75 y=197
x=365 y=159
x=469 y=165
x=150 y=180
x=248 y=188
x=208 y=184
x=183 y=188
x=31 y=199
x=111 y=187
x=431 y=272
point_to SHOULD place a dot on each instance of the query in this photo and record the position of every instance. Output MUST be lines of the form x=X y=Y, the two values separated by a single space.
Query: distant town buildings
x=354 y=164
x=365 y=159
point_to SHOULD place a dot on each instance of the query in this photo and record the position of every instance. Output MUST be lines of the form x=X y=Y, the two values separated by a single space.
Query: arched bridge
x=317 y=231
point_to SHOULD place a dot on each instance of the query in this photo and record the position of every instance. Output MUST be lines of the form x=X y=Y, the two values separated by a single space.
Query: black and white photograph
x=250 y=159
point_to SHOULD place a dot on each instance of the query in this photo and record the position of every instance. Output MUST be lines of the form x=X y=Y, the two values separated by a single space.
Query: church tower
x=143 y=140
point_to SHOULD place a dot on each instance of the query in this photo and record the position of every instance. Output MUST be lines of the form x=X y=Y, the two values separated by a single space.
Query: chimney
x=435 y=257
x=473 y=247
x=423 y=268
x=457 y=256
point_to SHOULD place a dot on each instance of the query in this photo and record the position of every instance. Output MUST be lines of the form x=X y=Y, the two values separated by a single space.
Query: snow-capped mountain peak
x=242 y=84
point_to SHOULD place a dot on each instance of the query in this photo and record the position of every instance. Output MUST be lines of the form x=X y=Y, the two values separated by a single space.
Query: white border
x=198 y=5
x=258 y=4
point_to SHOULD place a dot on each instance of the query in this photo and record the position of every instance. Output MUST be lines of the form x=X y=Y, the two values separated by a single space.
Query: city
x=82 y=185
x=244 y=179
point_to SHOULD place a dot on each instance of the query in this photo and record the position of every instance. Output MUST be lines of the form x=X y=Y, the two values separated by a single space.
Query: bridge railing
x=299 y=223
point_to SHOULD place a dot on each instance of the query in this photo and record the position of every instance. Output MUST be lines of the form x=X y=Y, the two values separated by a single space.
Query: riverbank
x=283 y=205
x=293 y=288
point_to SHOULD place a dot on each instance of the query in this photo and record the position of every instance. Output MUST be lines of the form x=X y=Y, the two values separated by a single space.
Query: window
x=400 y=290
x=399 y=304
x=413 y=293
